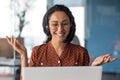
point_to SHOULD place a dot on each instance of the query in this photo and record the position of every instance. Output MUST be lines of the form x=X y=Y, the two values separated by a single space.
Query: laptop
x=62 y=73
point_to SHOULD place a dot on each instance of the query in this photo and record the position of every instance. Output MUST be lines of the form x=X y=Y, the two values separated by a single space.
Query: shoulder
x=81 y=53
x=79 y=50
x=39 y=49
x=77 y=47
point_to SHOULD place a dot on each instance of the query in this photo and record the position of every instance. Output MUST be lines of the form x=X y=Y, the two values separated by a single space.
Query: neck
x=59 y=46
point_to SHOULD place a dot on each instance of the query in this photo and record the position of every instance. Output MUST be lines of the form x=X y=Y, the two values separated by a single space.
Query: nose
x=60 y=28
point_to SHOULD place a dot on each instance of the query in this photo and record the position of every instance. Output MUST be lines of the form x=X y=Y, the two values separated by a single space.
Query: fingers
x=15 y=44
x=112 y=59
x=10 y=40
x=107 y=55
x=108 y=58
x=103 y=59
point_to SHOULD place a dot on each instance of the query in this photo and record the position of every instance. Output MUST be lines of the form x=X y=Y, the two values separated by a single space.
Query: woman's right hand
x=17 y=46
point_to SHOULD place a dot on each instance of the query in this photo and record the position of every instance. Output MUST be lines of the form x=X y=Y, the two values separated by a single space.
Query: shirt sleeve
x=33 y=58
x=83 y=57
x=86 y=58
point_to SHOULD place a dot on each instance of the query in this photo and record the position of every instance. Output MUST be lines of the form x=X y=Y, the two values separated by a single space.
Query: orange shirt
x=72 y=55
x=45 y=55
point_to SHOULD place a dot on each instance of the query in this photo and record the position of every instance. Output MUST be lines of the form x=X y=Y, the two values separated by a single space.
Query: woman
x=59 y=26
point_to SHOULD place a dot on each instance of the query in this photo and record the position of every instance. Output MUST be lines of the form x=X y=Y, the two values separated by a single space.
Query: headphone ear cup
x=47 y=28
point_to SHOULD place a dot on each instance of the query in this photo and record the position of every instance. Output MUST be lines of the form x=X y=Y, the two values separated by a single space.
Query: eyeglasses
x=55 y=24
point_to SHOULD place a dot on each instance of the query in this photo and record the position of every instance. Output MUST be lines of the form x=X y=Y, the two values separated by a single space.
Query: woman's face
x=59 y=25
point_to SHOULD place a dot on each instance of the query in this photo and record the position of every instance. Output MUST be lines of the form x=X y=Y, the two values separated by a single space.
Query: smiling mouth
x=60 y=34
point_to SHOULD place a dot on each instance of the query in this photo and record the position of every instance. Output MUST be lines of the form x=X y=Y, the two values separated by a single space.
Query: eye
x=54 y=24
x=65 y=24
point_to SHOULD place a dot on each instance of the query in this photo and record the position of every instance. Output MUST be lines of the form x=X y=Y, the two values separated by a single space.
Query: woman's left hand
x=103 y=59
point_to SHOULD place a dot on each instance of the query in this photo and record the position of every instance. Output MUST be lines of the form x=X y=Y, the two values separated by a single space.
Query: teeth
x=59 y=34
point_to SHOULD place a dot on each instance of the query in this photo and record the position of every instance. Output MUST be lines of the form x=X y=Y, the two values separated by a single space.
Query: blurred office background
x=97 y=23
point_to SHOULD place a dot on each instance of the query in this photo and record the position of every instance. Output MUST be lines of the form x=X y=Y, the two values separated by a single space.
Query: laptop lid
x=62 y=73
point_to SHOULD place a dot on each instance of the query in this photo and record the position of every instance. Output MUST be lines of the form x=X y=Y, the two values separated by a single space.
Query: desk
x=8 y=68
x=6 y=77
x=9 y=62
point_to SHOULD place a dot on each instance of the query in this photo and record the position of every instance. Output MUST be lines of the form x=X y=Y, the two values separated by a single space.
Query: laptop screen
x=62 y=73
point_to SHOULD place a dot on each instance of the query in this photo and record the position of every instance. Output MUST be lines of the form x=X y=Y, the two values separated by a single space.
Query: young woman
x=59 y=26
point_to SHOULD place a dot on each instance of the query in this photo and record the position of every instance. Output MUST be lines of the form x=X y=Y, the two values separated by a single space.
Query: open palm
x=103 y=59
x=17 y=46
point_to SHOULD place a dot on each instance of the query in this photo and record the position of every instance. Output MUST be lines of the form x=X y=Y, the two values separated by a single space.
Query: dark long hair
x=47 y=16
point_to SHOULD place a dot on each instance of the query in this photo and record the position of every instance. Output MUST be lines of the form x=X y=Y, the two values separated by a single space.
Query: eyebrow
x=54 y=21
x=62 y=21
